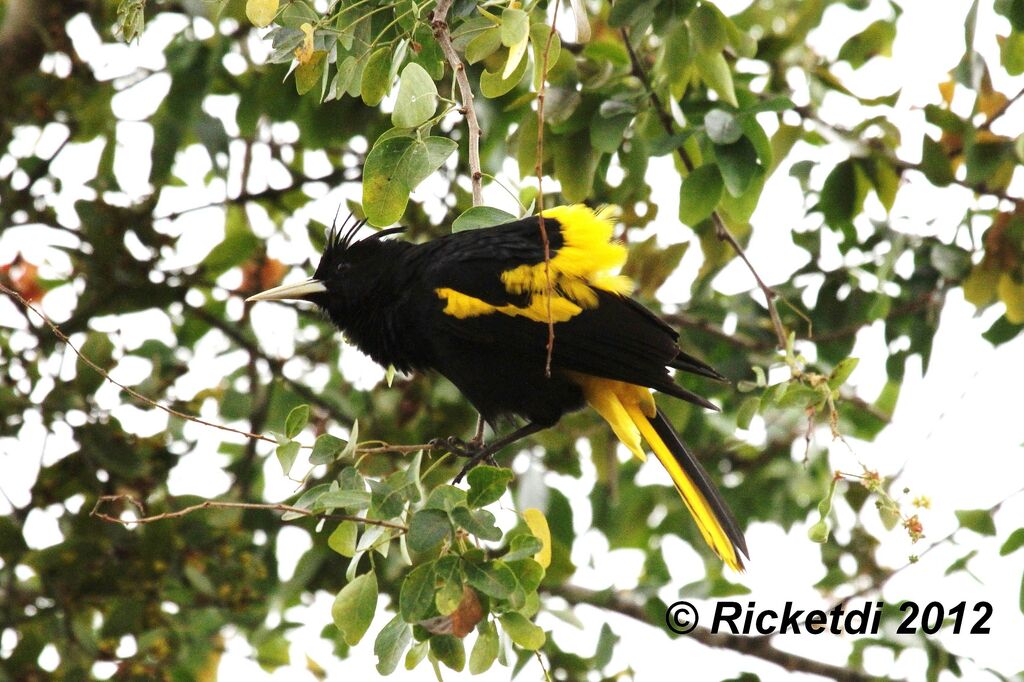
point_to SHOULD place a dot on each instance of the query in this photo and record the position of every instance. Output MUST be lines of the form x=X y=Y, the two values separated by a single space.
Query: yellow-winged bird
x=474 y=306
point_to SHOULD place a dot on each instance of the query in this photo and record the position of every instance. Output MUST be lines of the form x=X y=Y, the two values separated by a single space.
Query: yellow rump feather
x=628 y=408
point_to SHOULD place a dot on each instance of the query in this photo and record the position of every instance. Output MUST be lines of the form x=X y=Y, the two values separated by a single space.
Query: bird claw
x=473 y=450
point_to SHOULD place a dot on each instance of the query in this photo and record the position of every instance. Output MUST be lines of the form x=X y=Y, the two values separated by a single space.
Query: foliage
x=368 y=87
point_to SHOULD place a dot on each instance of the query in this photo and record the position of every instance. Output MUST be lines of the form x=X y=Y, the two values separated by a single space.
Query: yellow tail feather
x=628 y=408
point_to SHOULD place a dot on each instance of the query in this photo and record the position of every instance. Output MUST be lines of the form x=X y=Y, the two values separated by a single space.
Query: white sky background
x=956 y=435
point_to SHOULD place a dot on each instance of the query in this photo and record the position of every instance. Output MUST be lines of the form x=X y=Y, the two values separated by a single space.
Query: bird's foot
x=474 y=450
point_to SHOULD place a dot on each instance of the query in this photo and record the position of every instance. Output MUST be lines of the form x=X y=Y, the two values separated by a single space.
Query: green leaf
x=631 y=12
x=343 y=539
x=416 y=599
x=296 y=421
x=259 y=12
x=715 y=73
x=354 y=607
x=575 y=164
x=818 y=532
x=1011 y=53
x=393 y=168
x=342 y=82
x=1020 y=600
x=376 y=81
x=486 y=485
x=984 y=159
x=494 y=84
x=484 y=45
x=485 y=650
x=700 y=193
x=748 y=408
x=416 y=654
x=841 y=196
x=606 y=132
x=515 y=35
x=326 y=448
x=1013 y=543
x=286 y=454
x=238 y=245
x=427 y=529
x=539 y=33
x=961 y=563
x=708 y=30
x=494 y=579
x=449 y=650
x=935 y=165
x=523 y=547
x=978 y=520
x=738 y=165
x=875 y=40
x=842 y=372
x=524 y=633
x=479 y=522
x=309 y=74
x=390 y=644
x=417 y=97
x=448 y=582
x=477 y=217
x=515 y=27
x=343 y=499
x=1012 y=10
x=100 y=349
x=722 y=126
x=446 y=498
x=529 y=572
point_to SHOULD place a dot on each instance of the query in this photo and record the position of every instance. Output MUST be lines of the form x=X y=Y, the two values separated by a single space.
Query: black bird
x=474 y=306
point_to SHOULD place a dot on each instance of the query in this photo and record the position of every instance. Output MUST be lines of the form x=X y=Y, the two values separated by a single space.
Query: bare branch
x=760 y=646
x=216 y=504
x=439 y=23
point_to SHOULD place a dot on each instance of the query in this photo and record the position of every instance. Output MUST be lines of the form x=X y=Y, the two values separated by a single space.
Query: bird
x=475 y=306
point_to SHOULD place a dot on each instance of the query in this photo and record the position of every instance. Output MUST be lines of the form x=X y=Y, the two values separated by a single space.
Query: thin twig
x=216 y=504
x=998 y=113
x=439 y=23
x=130 y=391
x=377 y=447
x=721 y=230
x=888 y=575
x=539 y=171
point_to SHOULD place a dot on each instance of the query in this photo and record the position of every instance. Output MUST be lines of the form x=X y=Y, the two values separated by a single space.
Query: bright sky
x=956 y=435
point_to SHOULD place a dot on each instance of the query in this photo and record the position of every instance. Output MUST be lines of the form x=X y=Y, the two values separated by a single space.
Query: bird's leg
x=492 y=449
x=478 y=439
x=462 y=448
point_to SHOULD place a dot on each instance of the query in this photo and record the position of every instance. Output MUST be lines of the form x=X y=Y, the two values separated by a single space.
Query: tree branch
x=215 y=504
x=721 y=230
x=760 y=646
x=538 y=170
x=439 y=23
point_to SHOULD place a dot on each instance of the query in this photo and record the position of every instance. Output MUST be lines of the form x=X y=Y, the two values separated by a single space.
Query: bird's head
x=346 y=278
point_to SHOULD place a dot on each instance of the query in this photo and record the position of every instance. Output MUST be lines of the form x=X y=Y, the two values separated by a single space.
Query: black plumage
x=473 y=306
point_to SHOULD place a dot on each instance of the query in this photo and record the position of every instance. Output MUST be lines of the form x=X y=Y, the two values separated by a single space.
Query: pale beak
x=298 y=291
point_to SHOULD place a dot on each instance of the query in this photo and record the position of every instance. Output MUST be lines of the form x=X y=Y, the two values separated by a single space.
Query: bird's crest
x=342 y=238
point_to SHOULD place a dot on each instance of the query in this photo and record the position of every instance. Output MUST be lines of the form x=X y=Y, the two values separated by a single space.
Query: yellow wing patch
x=462 y=305
x=576 y=268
